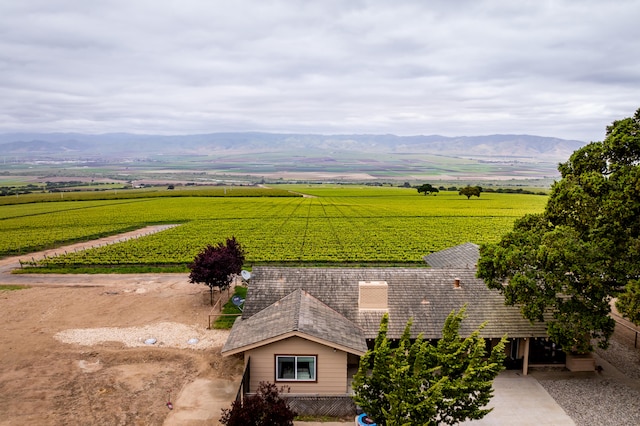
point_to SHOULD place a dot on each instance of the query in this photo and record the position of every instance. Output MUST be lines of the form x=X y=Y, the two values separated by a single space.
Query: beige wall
x=331 y=366
x=373 y=295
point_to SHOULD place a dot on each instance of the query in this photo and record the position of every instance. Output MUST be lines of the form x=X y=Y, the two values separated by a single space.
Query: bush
x=265 y=408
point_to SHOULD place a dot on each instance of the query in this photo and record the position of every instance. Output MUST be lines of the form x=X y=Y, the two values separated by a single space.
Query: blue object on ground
x=364 y=420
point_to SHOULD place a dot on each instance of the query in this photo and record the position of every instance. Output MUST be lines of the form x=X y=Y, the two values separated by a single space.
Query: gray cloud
x=561 y=68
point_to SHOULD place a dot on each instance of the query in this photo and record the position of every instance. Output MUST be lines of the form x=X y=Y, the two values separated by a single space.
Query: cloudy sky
x=552 y=68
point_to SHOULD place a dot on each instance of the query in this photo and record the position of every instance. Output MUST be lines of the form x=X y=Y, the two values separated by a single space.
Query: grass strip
x=12 y=287
x=230 y=311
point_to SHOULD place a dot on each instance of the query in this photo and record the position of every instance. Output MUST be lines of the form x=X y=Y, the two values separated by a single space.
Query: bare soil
x=44 y=381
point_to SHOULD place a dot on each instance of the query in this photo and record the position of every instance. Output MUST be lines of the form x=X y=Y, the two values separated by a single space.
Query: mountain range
x=123 y=145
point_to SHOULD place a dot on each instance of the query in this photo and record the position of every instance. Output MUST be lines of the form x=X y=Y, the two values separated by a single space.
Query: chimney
x=456 y=283
x=373 y=295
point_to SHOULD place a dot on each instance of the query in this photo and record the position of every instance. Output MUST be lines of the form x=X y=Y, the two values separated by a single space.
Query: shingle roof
x=426 y=295
x=300 y=314
x=462 y=256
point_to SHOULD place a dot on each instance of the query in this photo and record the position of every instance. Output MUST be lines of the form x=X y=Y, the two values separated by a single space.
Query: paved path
x=521 y=400
x=201 y=402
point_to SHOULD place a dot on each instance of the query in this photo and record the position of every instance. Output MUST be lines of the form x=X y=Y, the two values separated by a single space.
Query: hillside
x=270 y=155
x=123 y=144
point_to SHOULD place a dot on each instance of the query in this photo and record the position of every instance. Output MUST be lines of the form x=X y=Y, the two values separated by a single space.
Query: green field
x=150 y=192
x=332 y=225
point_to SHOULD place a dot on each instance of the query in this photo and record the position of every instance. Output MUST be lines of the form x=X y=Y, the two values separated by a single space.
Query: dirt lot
x=45 y=381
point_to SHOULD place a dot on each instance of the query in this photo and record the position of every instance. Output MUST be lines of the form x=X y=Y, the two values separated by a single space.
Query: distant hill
x=122 y=145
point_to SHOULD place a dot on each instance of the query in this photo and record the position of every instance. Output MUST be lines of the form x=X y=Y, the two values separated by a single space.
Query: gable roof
x=462 y=256
x=296 y=314
x=427 y=295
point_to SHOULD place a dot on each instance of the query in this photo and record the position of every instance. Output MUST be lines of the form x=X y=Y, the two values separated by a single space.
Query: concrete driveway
x=523 y=401
x=517 y=400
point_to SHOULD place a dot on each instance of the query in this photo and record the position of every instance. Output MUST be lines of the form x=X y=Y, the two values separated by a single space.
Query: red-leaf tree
x=265 y=408
x=216 y=265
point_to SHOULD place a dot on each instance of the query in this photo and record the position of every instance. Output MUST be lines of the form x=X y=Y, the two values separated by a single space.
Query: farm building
x=306 y=328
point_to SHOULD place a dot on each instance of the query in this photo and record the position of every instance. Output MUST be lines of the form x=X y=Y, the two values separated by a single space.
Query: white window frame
x=297 y=374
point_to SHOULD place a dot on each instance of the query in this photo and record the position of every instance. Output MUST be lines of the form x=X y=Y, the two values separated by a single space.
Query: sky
x=560 y=68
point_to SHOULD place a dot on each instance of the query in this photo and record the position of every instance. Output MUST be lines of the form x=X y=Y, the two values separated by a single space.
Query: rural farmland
x=331 y=224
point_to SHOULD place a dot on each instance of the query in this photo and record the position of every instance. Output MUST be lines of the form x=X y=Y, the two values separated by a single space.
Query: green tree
x=468 y=191
x=216 y=265
x=427 y=189
x=422 y=383
x=566 y=264
x=628 y=303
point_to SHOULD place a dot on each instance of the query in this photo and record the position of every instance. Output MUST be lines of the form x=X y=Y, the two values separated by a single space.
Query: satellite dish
x=246 y=275
x=238 y=301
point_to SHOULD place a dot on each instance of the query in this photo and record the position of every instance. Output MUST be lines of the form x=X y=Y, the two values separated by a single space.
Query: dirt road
x=46 y=381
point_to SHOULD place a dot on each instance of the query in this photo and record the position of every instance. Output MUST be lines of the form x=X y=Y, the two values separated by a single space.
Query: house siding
x=331 y=369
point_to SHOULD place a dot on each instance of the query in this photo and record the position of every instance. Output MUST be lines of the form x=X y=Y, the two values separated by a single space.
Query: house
x=306 y=328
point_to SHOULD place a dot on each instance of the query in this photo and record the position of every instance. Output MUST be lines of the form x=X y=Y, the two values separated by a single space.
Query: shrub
x=265 y=408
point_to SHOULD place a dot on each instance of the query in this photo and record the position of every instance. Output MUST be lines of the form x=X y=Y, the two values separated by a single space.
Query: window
x=300 y=368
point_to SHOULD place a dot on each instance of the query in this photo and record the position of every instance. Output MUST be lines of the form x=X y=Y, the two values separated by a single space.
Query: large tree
x=427 y=189
x=567 y=263
x=216 y=265
x=468 y=191
x=418 y=382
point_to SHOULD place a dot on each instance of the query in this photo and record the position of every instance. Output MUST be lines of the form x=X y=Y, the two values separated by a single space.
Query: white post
x=525 y=363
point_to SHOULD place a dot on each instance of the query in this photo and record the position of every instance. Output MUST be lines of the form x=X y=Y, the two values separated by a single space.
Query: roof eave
x=248 y=347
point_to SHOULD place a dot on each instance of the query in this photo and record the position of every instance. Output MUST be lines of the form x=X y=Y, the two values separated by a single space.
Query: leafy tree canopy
x=628 y=303
x=216 y=265
x=427 y=189
x=468 y=191
x=566 y=264
x=428 y=384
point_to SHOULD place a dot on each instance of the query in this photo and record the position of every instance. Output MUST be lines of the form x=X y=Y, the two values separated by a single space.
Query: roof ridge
x=296 y=308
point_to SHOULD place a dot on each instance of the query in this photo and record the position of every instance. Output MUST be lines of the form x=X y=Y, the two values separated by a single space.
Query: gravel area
x=610 y=397
x=164 y=334
x=623 y=356
x=596 y=401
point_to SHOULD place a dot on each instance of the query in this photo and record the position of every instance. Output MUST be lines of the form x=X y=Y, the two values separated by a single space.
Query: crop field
x=120 y=194
x=331 y=225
